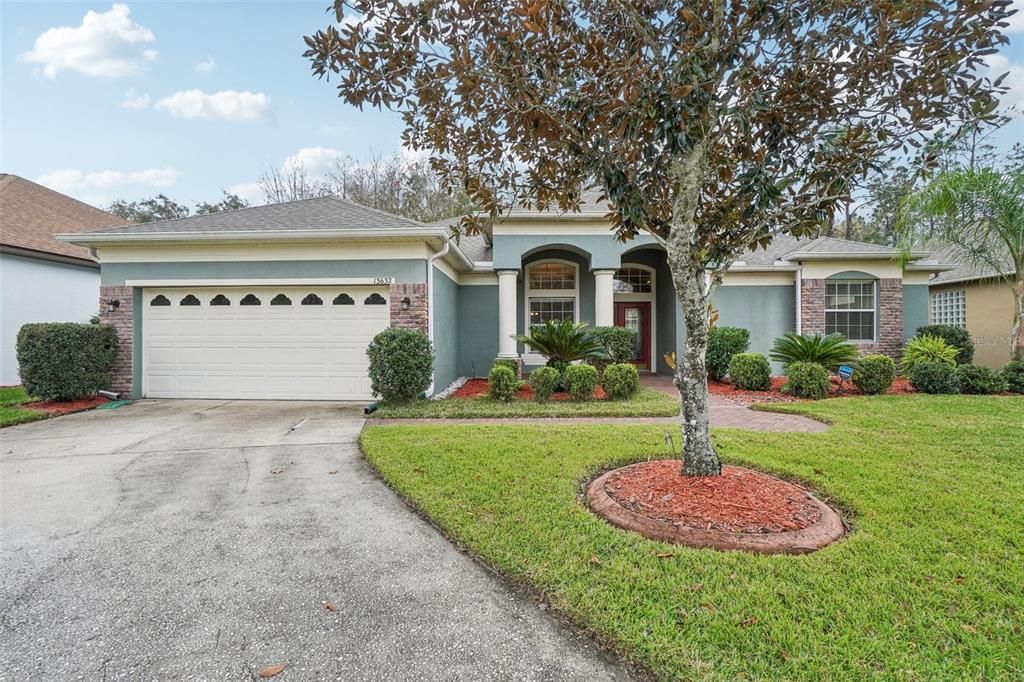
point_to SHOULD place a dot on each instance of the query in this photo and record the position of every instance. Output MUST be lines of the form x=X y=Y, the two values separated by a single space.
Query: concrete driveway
x=201 y=540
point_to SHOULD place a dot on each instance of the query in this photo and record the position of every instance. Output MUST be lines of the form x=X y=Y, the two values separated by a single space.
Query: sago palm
x=831 y=350
x=563 y=342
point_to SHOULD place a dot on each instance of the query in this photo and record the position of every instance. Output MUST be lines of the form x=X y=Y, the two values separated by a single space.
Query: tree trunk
x=1017 y=334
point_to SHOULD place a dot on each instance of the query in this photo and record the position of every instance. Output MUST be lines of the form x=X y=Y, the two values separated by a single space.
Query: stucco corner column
x=604 y=298
x=507 y=313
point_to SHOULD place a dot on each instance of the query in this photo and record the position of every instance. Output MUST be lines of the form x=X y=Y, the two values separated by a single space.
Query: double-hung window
x=850 y=308
x=552 y=292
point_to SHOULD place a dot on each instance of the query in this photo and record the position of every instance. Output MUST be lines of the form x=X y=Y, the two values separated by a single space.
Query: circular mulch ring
x=740 y=510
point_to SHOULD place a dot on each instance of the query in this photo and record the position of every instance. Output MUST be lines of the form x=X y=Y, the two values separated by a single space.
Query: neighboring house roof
x=328 y=213
x=963 y=271
x=31 y=214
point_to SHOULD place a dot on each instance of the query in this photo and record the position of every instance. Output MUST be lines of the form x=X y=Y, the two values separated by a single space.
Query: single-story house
x=280 y=301
x=977 y=299
x=42 y=279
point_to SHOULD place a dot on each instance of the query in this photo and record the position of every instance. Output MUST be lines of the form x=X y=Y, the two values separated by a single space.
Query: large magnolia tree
x=712 y=124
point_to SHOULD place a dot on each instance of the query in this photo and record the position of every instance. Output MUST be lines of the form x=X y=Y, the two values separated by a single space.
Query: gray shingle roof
x=785 y=247
x=321 y=213
x=963 y=271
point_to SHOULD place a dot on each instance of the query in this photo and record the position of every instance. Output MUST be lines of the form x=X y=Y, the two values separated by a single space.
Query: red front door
x=637 y=316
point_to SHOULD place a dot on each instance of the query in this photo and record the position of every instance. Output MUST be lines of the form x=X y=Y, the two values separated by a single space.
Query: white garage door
x=301 y=343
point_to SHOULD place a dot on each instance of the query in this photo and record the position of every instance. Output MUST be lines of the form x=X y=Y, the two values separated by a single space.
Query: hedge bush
x=401 y=364
x=1013 y=375
x=65 y=360
x=618 y=342
x=543 y=381
x=975 y=380
x=873 y=374
x=581 y=380
x=926 y=349
x=502 y=383
x=957 y=337
x=508 y=362
x=807 y=380
x=750 y=372
x=621 y=381
x=723 y=344
x=934 y=377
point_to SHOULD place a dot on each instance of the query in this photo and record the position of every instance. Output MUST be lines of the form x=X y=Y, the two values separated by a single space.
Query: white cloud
x=250 y=191
x=316 y=161
x=206 y=66
x=1017 y=20
x=107 y=44
x=132 y=100
x=227 y=105
x=71 y=180
x=997 y=66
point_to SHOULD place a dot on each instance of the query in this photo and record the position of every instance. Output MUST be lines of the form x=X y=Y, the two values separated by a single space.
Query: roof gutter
x=846 y=255
x=98 y=238
x=430 y=304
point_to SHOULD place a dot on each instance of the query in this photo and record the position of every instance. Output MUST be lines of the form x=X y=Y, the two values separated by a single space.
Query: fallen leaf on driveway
x=330 y=606
x=332 y=472
x=272 y=670
x=276 y=471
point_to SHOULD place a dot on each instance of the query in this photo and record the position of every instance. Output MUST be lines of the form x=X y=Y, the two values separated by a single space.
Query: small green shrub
x=975 y=380
x=723 y=344
x=502 y=383
x=65 y=360
x=621 y=381
x=581 y=380
x=1013 y=375
x=958 y=337
x=508 y=362
x=934 y=377
x=401 y=364
x=807 y=380
x=618 y=343
x=829 y=351
x=750 y=372
x=543 y=381
x=926 y=349
x=873 y=374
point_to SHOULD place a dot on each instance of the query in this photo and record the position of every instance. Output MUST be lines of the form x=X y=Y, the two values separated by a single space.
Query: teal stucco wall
x=446 y=334
x=477 y=329
x=767 y=311
x=403 y=270
x=598 y=250
x=915 y=308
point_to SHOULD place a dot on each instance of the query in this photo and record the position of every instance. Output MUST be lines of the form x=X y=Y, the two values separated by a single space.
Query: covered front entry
x=260 y=342
x=636 y=315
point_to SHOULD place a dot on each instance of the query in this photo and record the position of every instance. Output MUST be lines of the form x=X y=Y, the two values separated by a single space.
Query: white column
x=604 y=298
x=507 y=313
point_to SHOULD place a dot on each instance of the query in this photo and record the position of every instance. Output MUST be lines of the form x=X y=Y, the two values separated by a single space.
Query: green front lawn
x=930 y=585
x=10 y=412
x=646 y=403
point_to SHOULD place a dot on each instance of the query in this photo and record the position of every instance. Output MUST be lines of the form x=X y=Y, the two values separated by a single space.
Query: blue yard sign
x=845 y=372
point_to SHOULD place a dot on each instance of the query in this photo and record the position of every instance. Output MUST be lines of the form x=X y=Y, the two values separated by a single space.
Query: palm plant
x=830 y=351
x=563 y=342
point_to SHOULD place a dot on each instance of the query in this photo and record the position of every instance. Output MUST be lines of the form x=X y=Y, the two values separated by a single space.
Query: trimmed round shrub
x=618 y=343
x=807 y=380
x=621 y=381
x=1013 y=375
x=934 y=377
x=975 y=380
x=873 y=374
x=926 y=349
x=723 y=344
x=957 y=337
x=580 y=381
x=401 y=364
x=508 y=362
x=750 y=372
x=65 y=360
x=543 y=381
x=502 y=383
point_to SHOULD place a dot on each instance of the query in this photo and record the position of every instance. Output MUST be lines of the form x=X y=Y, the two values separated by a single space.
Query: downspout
x=799 y=298
x=430 y=303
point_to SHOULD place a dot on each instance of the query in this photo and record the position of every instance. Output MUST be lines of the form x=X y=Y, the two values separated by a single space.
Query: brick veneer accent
x=123 y=322
x=890 y=314
x=416 y=315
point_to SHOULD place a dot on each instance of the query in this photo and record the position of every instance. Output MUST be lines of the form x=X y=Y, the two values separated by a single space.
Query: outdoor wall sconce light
x=406 y=303
x=112 y=305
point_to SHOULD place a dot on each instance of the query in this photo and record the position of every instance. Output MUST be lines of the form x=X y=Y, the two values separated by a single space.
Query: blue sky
x=105 y=101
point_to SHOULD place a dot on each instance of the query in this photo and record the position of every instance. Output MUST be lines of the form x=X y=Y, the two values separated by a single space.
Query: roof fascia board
x=87 y=238
x=48 y=256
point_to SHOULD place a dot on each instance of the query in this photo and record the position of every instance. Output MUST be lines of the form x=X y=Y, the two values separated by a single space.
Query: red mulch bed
x=738 y=501
x=725 y=389
x=54 y=407
x=475 y=388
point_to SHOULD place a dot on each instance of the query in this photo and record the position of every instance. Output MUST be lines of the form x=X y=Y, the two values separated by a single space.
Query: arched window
x=633 y=280
x=160 y=300
x=190 y=300
x=312 y=299
x=220 y=299
x=250 y=299
x=851 y=307
x=280 y=299
x=552 y=291
x=343 y=299
x=374 y=299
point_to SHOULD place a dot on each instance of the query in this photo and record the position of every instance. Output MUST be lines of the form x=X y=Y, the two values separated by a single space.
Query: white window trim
x=638 y=297
x=651 y=298
x=529 y=357
x=873 y=311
